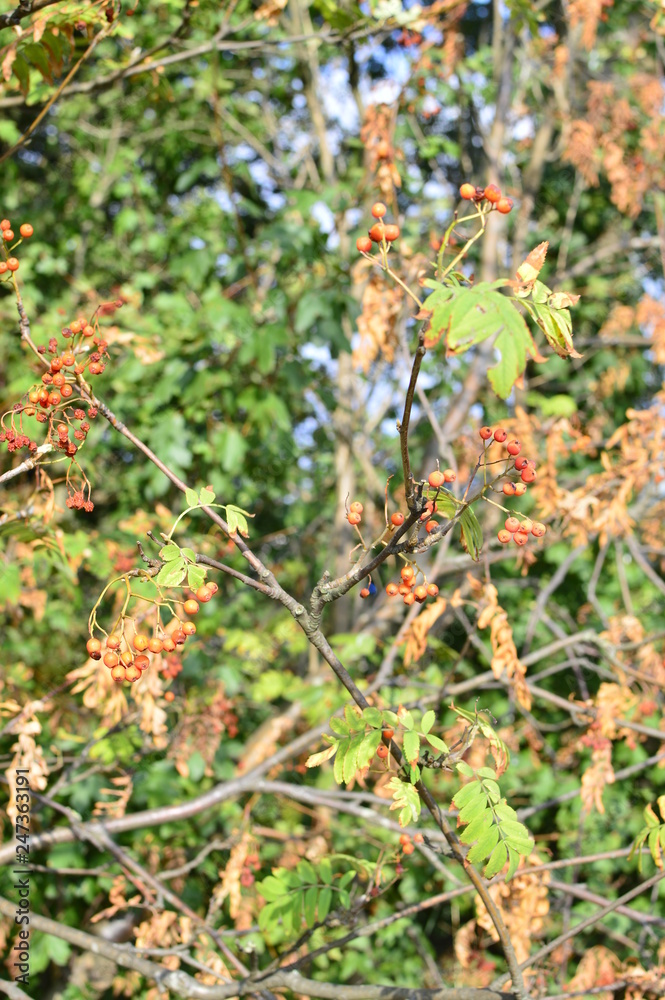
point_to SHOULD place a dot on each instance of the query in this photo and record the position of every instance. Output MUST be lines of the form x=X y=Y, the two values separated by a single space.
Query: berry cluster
x=491 y=194
x=407 y=844
x=514 y=529
x=10 y=264
x=128 y=659
x=381 y=232
x=354 y=513
x=409 y=590
x=252 y=864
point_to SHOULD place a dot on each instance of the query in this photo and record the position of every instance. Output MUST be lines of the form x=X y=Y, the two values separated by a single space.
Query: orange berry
x=212 y=587
x=353 y=517
x=8 y=234
x=526 y=525
x=12 y=264
x=364 y=592
x=88 y=331
x=377 y=232
x=409 y=599
x=68 y=359
x=504 y=536
x=500 y=435
x=485 y=433
x=140 y=643
x=378 y=209
x=397 y=519
x=436 y=479
x=3 y=266
x=356 y=507
x=404 y=839
x=191 y=607
x=111 y=660
x=504 y=205
x=155 y=645
x=204 y=594
x=26 y=230
x=509 y=489
x=93 y=645
x=54 y=398
x=512 y=524
x=168 y=644
x=169 y=696
x=408 y=849
x=431 y=525
x=118 y=673
x=467 y=191
x=520 y=489
x=392 y=233
x=363 y=244
x=189 y=628
x=520 y=538
x=388 y=733
x=132 y=673
x=432 y=589
x=404 y=588
x=492 y=193
x=383 y=149
x=113 y=642
x=178 y=637
x=420 y=593
x=142 y=662
x=418 y=838
x=407 y=573
x=392 y=590
x=514 y=447
x=449 y=475
x=127 y=657
x=5 y=224
x=382 y=752
x=528 y=475
x=538 y=529
x=66 y=391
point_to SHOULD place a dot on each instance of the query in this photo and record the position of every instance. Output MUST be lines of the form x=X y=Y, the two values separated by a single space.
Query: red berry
x=388 y=733
x=504 y=536
x=54 y=398
x=485 y=433
x=467 y=191
x=379 y=210
x=397 y=519
x=509 y=489
x=382 y=752
x=8 y=234
x=142 y=662
x=432 y=589
x=528 y=475
x=404 y=839
x=521 y=463
x=353 y=517
x=191 y=607
x=431 y=525
x=538 y=529
x=26 y=230
x=392 y=590
x=408 y=849
x=66 y=391
x=169 y=696
x=5 y=224
x=500 y=435
x=504 y=205
x=363 y=244
x=12 y=264
x=520 y=538
x=178 y=637
x=364 y=592
x=513 y=447
x=392 y=233
x=204 y=594
x=436 y=479
x=377 y=232
x=492 y=193
x=449 y=475
x=512 y=524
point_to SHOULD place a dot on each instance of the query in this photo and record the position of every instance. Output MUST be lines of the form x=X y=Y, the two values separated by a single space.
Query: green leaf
x=338 y=766
x=346 y=879
x=372 y=717
x=350 y=765
x=477 y=827
x=368 y=747
x=513 y=862
x=309 y=906
x=172 y=574
x=236 y=518
x=497 y=860
x=462 y=765
x=472 y=535
x=406 y=719
x=206 y=496
x=353 y=718
x=325 y=871
x=325 y=899
x=169 y=552
x=474 y=790
x=271 y=888
x=486 y=844
x=437 y=743
x=486 y=772
x=473 y=809
x=195 y=576
x=411 y=746
x=339 y=726
x=188 y=554
x=192 y=498
x=306 y=872
x=428 y=721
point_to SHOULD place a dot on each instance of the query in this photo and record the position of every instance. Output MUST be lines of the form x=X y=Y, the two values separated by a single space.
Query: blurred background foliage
x=212 y=165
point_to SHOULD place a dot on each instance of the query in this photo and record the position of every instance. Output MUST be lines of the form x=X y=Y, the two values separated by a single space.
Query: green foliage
x=302 y=897
x=491 y=824
x=653 y=835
